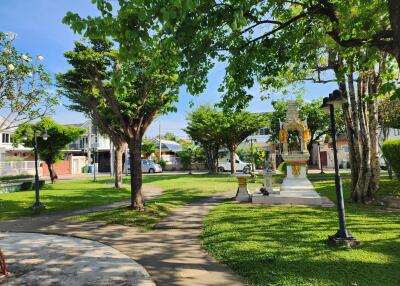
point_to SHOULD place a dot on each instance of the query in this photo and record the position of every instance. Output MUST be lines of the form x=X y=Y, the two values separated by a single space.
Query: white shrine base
x=294 y=191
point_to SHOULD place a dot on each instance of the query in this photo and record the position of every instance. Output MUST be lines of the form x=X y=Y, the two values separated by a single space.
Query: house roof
x=170 y=145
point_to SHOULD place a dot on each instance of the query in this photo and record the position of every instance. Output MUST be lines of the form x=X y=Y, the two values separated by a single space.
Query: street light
x=44 y=135
x=95 y=152
x=342 y=236
x=319 y=156
x=190 y=160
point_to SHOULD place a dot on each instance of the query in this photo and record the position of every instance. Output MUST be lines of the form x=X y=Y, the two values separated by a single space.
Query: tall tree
x=278 y=43
x=148 y=147
x=23 y=86
x=50 y=150
x=169 y=136
x=144 y=77
x=77 y=85
x=238 y=126
x=204 y=127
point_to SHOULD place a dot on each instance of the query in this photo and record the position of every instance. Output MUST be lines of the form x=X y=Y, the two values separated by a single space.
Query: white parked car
x=224 y=164
x=148 y=167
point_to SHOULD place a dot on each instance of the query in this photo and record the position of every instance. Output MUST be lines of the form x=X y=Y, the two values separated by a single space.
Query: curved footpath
x=171 y=253
x=59 y=260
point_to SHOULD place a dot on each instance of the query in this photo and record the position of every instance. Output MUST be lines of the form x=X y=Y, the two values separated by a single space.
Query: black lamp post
x=319 y=155
x=94 y=160
x=37 y=204
x=342 y=236
x=190 y=160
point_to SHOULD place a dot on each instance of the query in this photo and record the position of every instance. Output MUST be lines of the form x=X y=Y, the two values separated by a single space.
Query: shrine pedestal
x=243 y=194
x=296 y=189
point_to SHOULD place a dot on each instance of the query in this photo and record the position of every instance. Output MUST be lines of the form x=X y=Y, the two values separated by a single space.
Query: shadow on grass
x=287 y=246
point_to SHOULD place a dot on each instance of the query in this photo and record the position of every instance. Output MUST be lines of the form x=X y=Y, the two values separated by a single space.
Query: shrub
x=41 y=184
x=25 y=186
x=15 y=177
x=391 y=151
x=283 y=167
x=162 y=163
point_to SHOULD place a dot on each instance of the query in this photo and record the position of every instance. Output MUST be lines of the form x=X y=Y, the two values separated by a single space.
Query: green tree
x=76 y=84
x=148 y=147
x=323 y=37
x=50 y=150
x=238 y=126
x=144 y=77
x=204 y=127
x=190 y=153
x=24 y=84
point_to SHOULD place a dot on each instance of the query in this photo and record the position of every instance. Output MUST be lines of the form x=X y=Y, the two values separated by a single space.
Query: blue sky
x=39 y=30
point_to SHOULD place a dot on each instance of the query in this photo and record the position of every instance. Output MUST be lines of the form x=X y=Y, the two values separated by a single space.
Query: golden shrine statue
x=294 y=123
x=295 y=189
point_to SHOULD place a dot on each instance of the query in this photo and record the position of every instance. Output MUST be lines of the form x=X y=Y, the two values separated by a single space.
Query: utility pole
x=159 y=138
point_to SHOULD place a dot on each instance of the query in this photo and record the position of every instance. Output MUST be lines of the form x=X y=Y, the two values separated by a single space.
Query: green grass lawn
x=61 y=196
x=287 y=245
x=178 y=190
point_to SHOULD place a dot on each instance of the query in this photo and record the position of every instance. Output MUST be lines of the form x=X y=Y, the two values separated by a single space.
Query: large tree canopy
x=77 y=85
x=237 y=127
x=50 y=150
x=204 y=127
x=144 y=77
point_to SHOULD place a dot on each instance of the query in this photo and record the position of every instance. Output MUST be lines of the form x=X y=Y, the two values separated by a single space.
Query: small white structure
x=243 y=194
x=296 y=189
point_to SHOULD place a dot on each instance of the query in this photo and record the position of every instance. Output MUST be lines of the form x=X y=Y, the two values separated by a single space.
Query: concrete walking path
x=36 y=222
x=171 y=253
x=66 y=261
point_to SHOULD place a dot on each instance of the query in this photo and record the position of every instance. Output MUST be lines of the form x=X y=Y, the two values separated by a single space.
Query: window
x=263 y=131
x=5 y=138
x=345 y=148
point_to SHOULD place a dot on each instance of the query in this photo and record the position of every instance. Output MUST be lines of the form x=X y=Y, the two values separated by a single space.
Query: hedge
x=391 y=151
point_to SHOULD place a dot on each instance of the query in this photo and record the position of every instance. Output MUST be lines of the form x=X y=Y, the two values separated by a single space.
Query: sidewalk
x=171 y=253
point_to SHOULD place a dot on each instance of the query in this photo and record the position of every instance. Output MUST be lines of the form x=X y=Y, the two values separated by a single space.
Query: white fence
x=14 y=168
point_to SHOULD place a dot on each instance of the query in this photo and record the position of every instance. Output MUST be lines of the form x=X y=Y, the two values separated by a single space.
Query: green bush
x=391 y=151
x=15 y=177
x=283 y=167
x=162 y=163
x=41 y=184
x=25 y=186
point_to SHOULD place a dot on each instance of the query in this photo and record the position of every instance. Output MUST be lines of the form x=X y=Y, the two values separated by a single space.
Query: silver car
x=148 y=167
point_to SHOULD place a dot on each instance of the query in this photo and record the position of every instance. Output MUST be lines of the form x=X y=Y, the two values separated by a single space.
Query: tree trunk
x=232 y=150
x=362 y=186
x=209 y=158
x=119 y=151
x=212 y=157
x=394 y=14
x=374 y=138
x=135 y=153
x=52 y=172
